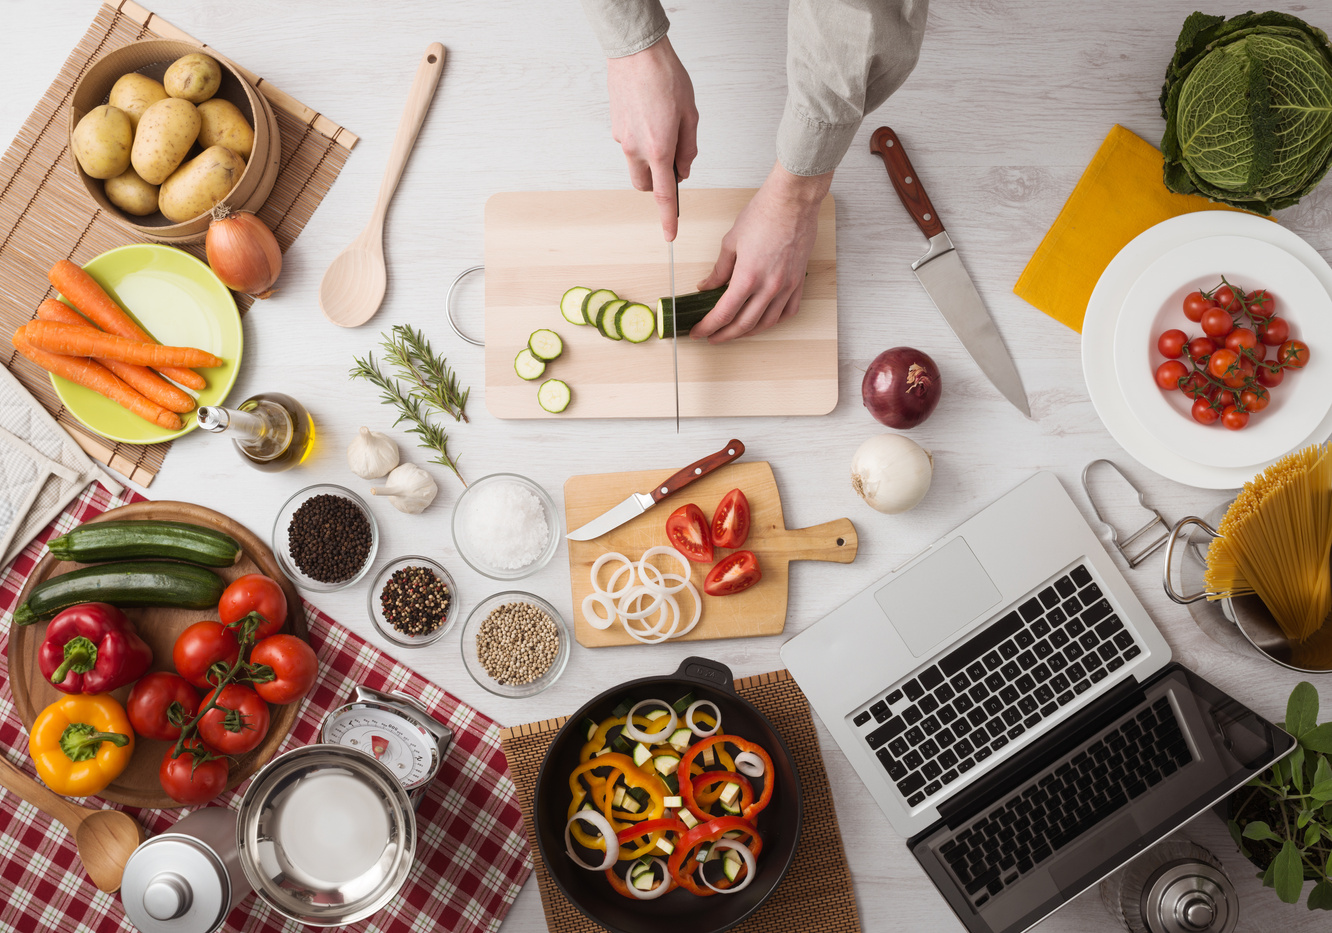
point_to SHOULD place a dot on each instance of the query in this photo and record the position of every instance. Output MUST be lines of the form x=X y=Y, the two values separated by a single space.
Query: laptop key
x=1082 y=686
x=932 y=788
x=944 y=693
x=1026 y=683
x=928 y=704
x=929 y=725
x=1096 y=612
x=1091 y=661
x=896 y=770
x=1065 y=586
x=1073 y=651
x=965 y=765
x=1081 y=575
x=949 y=776
x=1064 y=697
x=1047 y=709
x=1031 y=609
x=1056 y=617
x=947 y=715
x=994 y=887
x=899 y=746
x=1072 y=606
x=889 y=730
x=913 y=690
x=1076 y=673
x=982 y=754
x=995 y=681
x=929 y=749
x=961 y=726
x=1009 y=650
x=912 y=714
x=1031 y=720
x=1042 y=650
x=976 y=670
x=947 y=758
x=963 y=748
x=862 y=718
x=983 y=880
x=999 y=742
x=915 y=799
x=1044 y=694
x=1012 y=716
x=1059 y=638
x=1107 y=627
x=1107 y=651
x=995 y=727
x=911 y=783
x=959 y=681
x=1016 y=731
x=880 y=711
x=1009 y=695
x=1132 y=652
x=944 y=738
x=913 y=759
x=931 y=770
x=1123 y=639
x=1088 y=640
x=963 y=703
x=1026 y=660
x=992 y=660
x=930 y=678
x=1098 y=675
x=1011 y=670
x=1089 y=594
x=1074 y=628
x=1048 y=597
x=1027 y=705
x=1024 y=638
x=893 y=698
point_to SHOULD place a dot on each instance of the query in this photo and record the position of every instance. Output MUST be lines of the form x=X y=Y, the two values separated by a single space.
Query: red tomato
x=1223 y=363
x=730 y=522
x=1233 y=419
x=1199 y=349
x=1195 y=303
x=294 y=668
x=1171 y=343
x=733 y=573
x=201 y=646
x=1226 y=299
x=191 y=781
x=1216 y=322
x=1204 y=411
x=1258 y=351
x=152 y=700
x=1240 y=374
x=1293 y=354
x=1274 y=331
x=254 y=592
x=688 y=531
x=1270 y=377
x=1196 y=386
x=1171 y=374
x=239 y=722
x=1241 y=338
x=1260 y=304
x=1255 y=399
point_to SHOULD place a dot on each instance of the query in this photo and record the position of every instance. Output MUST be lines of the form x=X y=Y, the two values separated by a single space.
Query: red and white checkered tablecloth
x=472 y=853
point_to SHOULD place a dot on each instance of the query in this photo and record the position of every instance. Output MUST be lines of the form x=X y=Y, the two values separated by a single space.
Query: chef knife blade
x=640 y=502
x=944 y=277
x=675 y=346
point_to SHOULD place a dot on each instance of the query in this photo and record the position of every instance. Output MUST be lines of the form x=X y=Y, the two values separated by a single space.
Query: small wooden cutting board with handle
x=759 y=610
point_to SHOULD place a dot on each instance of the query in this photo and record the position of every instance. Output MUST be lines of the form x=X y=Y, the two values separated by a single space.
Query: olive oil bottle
x=272 y=431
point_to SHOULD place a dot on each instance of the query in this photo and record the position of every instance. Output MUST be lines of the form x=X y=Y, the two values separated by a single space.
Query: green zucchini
x=634 y=322
x=571 y=304
x=593 y=301
x=131 y=583
x=605 y=318
x=679 y=315
x=681 y=706
x=554 y=395
x=527 y=366
x=95 y=542
x=545 y=345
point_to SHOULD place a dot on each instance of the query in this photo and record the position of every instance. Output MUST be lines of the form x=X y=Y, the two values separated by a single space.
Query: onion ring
x=601 y=562
x=653 y=552
x=634 y=594
x=698 y=610
x=744 y=854
x=654 y=635
x=595 y=620
x=649 y=738
x=607 y=832
x=652 y=893
x=749 y=764
x=689 y=719
x=614 y=593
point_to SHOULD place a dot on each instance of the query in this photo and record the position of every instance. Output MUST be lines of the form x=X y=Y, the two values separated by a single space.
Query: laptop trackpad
x=936 y=597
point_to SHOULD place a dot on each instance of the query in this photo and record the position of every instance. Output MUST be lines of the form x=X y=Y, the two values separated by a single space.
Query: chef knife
x=675 y=346
x=944 y=277
x=640 y=502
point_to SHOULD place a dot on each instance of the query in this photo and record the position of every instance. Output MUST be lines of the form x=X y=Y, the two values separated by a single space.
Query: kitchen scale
x=397 y=731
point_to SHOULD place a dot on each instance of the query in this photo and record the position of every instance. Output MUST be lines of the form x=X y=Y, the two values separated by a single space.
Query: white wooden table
x=1007 y=105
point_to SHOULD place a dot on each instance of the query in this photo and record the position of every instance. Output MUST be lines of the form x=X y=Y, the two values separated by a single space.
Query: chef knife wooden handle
x=683 y=478
x=905 y=181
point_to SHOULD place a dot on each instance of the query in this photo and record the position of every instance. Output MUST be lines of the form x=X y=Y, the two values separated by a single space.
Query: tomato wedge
x=730 y=523
x=733 y=573
x=687 y=529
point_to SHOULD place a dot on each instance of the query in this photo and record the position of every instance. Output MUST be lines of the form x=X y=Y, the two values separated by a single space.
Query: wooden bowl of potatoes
x=161 y=132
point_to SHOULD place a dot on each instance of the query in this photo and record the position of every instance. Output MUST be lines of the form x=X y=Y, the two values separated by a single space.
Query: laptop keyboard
x=999 y=846
x=991 y=689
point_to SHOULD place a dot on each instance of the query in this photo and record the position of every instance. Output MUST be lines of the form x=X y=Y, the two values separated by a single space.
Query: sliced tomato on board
x=688 y=531
x=730 y=522
x=733 y=573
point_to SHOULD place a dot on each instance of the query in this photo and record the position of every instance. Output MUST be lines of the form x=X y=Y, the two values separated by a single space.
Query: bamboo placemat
x=46 y=215
x=815 y=896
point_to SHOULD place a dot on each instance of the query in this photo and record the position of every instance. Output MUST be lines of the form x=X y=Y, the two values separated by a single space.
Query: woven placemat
x=46 y=215
x=815 y=896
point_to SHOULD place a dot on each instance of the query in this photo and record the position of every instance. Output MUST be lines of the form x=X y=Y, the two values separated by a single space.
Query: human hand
x=764 y=257
x=654 y=120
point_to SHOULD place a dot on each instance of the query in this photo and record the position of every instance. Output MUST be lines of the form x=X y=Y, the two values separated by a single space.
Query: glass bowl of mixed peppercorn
x=413 y=601
x=325 y=538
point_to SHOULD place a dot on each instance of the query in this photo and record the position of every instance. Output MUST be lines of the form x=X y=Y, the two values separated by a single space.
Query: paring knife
x=944 y=277
x=640 y=502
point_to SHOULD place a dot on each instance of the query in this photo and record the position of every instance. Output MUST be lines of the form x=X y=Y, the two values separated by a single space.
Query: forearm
x=624 y=27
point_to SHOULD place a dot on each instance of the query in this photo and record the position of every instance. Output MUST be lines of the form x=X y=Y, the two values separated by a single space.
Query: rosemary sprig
x=410 y=409
x=428 y=375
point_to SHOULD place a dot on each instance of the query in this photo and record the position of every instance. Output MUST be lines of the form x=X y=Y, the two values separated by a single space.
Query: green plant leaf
x=1320 y=898
x=1322 y=791
x=1322 y=769
x=1312 y=835
x=1237 y=836
x=1288 y=873
x=1318 y=739
x=1295 y=764
x=1269 y=874
x=1258 y=829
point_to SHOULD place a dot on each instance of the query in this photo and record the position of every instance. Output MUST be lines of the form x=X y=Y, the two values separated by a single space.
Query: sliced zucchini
x=681 y=706
x=640 y=795
x=730 y=793
x=681 y=739
x=704 y=852
x=545 y=344
x=590 y=727
x=635 y=322
x=666 y=764
x=687 y=817
x=622 y=710
x=646 y=881
x=618 y=797
x=709 y=756
x=604 y=751
x=630 y=805
x=621 y=744
x=642 y=753
x=734 y=834
x=571 y=304
x=730 y=808
x=554 y=395
x=672 y=782
x=657 y=714
x=665 y=846
x=587 y=805
x=606 y=318
x=593 y=301
x=731 y=866
x=527 y=366
x=641 y=867
x=675 y=802
x=681 y=314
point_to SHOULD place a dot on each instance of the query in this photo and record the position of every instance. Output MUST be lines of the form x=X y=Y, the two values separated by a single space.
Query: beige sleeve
x=624 y=27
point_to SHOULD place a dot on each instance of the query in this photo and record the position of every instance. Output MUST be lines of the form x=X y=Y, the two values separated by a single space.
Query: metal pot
x=186 y=880
x=779 y=823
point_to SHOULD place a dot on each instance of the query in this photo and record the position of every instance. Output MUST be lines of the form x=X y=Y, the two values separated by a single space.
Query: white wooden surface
x=1008 y=103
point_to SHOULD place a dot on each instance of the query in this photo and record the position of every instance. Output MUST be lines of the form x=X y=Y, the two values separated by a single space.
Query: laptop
x=1016 y=714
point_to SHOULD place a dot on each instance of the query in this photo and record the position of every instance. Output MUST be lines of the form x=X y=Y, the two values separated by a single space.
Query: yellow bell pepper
x=81 y=743
x=633 y=777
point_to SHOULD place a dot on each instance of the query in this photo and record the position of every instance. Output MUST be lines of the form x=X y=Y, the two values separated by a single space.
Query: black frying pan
x=778 y=824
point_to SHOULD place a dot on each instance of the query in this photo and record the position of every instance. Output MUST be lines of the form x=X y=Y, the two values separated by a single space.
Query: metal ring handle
x=1183 y=600
x=448 y=305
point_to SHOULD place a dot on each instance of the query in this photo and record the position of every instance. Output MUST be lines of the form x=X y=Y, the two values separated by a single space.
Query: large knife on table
x=945 y=279
x=640 y=502
x=670 y=259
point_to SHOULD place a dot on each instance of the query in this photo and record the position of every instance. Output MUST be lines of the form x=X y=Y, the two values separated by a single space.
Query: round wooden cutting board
x=138 y=786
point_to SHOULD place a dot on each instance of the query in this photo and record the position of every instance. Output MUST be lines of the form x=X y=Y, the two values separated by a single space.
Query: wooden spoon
x=354 y=283
x=105 y=838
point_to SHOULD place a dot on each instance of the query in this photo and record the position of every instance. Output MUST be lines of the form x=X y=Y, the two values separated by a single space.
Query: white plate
x=1154 y=305
x=1098 y=329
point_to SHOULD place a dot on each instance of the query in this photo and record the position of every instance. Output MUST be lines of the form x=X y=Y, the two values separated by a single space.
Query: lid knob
x=1197 y=911
x=167 y=896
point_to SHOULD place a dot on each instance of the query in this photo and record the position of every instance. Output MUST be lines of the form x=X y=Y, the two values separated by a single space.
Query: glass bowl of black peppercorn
x=325 y=538
x=413 y=601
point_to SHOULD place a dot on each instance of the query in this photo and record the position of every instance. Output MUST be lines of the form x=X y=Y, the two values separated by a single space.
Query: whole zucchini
x=129 y=540
x=132 y=583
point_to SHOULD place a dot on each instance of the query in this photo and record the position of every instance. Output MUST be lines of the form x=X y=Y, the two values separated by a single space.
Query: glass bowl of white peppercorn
x=413 y=601
x=515 y=644
x=325 y=538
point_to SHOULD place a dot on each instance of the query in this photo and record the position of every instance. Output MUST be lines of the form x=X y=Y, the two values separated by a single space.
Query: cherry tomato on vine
x=1223 y=363
x=201 y=646
x=1195 y=386
x=1226 y=299
x=1195 y=303
x=1171 y=344
x=1274 y=331
x=254 y=592
x=1170 y=374
x=1203 y=411
x=1255 y=399
x=237 y=724
x=1293 y=354
x=1239 y=374
x=1270 y=377
x=1199 y=349
x=188 y=782
x=1241 y=338
x=1260 y=304
x=1216 y=322
x=1233 y=419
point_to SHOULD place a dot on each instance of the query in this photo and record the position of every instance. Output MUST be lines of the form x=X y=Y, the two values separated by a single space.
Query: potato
x=132 y=194
x=224 y=125
x=200 y=184
x=194 y=77
x=166 y=132
x=102 y=140
x=135 y=93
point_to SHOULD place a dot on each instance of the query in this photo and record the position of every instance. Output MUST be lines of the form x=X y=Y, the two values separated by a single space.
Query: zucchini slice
x=685 y=311
x=681 y=739
x=642 y=753
x=593 y=301
x=635 y=322
x=527 y=366
x=590 y=728
x=571 y=304
x=606 y=318
x=554 y=396
x=545 y=345
x=688 y=818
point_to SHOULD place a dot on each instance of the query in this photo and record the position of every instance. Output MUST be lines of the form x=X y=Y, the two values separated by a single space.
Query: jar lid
x=1188 y=896
x=175 y=883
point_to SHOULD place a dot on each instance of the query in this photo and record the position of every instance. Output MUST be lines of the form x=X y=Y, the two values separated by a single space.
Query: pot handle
x=708 y=672
x=1182 y=599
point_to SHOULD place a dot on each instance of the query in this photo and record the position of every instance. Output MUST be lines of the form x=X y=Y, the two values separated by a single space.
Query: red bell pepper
x=681 y=863
x=687 y=787
x=92 y=648
x=705 y=780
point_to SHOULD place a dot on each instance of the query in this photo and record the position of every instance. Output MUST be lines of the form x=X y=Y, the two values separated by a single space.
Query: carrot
x=82 y=341
x=97 y=377
x=140 y=378
x=83 y=291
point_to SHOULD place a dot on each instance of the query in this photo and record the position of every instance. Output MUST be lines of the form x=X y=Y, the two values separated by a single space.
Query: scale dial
x=403 y=746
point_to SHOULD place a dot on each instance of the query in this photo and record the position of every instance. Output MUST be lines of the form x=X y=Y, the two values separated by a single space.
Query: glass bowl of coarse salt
x=506 y=526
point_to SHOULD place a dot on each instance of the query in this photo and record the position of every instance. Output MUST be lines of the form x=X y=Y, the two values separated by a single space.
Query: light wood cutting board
x=759 y=610
x=541 y=243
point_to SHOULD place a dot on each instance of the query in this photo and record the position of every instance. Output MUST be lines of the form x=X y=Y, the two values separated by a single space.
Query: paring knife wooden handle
x=905 y=181
x=732 y=451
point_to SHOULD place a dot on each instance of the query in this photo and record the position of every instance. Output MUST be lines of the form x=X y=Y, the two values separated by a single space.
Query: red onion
x=901 y=387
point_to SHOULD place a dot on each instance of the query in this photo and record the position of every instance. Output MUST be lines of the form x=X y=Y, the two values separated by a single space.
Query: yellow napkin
x=1120 y=195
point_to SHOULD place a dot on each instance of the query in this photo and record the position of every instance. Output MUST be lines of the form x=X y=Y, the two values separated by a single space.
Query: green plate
x=181 y=303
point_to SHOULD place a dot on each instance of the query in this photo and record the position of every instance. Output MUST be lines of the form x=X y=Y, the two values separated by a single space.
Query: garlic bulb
x=371 y=454
x=891 y=472
x=409 y=488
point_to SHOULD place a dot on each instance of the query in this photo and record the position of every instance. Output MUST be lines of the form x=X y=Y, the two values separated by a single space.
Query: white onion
x=698 y=610
x=595 y=620
x=600 y=562
x=744 y=854
x=891 y=472
x=749 y=764
x=689 y=718
x=607 y=832
x=672 y=552
x=654 y=635
x=666 y=602
x=652 y=893
x=649 y=738
x=635 y=594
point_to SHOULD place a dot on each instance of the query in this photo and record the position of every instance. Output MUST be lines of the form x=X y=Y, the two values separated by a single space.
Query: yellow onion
x=243 y=252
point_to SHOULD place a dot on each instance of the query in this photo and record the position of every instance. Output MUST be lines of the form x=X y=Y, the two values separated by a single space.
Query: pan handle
x=708 y=672
x=1182 y=599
